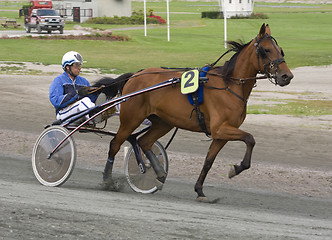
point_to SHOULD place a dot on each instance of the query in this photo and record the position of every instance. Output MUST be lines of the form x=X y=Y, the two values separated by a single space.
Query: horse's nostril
x=287 y=77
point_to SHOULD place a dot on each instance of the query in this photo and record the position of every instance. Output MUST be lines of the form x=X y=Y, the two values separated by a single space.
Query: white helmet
x=71 y=57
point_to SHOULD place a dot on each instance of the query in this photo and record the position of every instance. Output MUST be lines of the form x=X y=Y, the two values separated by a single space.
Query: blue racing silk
x=63 y=91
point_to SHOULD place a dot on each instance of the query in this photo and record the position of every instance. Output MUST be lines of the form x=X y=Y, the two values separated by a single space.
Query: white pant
x=78 y=106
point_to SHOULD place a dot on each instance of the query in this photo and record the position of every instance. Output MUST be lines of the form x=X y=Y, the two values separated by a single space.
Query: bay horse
x=224 y=104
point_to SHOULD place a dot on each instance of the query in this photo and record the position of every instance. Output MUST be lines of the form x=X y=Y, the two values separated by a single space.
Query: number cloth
x=200 y=88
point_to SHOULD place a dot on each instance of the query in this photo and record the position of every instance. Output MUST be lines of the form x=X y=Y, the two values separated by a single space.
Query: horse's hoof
x=232 y=172
x=112 y=184
x=105 y=185
x=203 y=199
x=206 y=200
x=159 y=184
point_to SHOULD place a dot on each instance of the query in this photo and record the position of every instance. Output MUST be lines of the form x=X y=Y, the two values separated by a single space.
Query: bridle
x=269 y=64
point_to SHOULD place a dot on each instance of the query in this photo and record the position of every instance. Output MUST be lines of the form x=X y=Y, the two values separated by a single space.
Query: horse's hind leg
x=158 y=129
x=214 y=149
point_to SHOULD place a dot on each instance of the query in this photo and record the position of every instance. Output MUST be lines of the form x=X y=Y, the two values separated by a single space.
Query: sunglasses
x=77 y=65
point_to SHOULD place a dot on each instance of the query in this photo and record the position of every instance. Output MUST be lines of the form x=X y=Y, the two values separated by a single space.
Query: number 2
x=189 y=81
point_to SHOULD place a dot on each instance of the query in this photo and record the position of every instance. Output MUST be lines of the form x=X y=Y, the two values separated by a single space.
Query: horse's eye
x=267 y=50
x=261 y=52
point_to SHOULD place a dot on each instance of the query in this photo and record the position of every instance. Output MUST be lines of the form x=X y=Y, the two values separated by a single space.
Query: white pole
x=168 y=33
x=225 y=23
x=145 y=18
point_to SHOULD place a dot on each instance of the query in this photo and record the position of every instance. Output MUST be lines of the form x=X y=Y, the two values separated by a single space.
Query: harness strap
x=227 y=88
x=196 y=102
x=230 y=90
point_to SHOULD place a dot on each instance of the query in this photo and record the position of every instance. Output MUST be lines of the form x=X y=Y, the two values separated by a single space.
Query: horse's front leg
x=110 y=160
x=114 y=148
x=214 y=149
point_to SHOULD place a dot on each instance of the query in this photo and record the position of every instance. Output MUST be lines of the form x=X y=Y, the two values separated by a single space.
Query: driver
x=68 y=92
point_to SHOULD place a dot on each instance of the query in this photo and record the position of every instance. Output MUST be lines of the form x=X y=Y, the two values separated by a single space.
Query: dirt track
x=285 y=195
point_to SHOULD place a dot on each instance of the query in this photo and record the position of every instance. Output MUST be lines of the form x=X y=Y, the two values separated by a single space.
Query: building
x=237 y=7
x=81 y=10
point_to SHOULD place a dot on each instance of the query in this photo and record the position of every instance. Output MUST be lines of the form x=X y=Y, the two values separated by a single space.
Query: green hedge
x=252 y=16
x=212 y=15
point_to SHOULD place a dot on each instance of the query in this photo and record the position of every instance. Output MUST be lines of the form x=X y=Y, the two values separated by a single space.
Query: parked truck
x=40 y=15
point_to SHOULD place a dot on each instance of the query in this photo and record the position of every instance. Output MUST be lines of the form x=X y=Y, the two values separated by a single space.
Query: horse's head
x=270 y=57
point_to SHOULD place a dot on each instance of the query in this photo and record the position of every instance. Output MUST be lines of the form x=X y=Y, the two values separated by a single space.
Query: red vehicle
x=42 y=16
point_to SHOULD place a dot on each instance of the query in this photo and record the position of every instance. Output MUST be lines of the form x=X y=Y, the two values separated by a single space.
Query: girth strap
x=199 y=114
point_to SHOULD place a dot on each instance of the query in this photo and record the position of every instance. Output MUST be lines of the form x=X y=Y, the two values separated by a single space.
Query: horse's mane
x=227 y=69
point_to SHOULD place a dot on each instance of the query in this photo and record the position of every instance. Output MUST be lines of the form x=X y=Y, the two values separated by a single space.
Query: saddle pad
x=200 y=88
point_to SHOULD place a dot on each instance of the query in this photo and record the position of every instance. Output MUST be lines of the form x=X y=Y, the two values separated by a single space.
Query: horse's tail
x=113 y=86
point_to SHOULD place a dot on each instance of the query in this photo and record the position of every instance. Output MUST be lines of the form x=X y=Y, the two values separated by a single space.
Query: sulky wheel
x=144 y=182
x=56 y=170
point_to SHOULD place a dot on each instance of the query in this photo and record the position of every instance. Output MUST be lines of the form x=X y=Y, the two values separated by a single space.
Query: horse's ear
x=268 y=30
x=265 y=29
x=262 y=30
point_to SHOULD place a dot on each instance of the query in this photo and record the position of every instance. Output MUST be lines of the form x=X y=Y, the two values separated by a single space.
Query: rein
x=95 y=89
x=259 y=52
x=241 y=80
